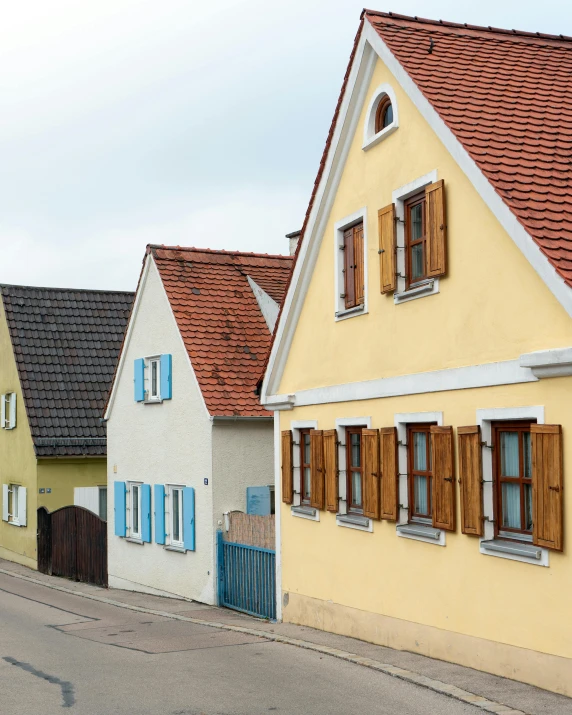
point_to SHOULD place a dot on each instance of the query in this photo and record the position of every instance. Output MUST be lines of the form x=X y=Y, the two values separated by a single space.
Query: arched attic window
x=381 y=118
x=384 y=114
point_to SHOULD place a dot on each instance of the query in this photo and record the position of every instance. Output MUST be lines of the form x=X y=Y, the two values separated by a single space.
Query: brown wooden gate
x=72 y=542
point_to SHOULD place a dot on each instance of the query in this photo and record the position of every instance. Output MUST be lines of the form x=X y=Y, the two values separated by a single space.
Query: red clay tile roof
x=506 y=96
x=220 y=321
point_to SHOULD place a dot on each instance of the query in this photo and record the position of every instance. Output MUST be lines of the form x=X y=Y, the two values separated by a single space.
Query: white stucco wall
x=160 y=444
x=243 y=456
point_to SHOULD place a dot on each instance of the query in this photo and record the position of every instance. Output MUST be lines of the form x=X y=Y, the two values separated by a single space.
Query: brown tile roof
x=506 y=96
x=66 y=344
x=220 y=321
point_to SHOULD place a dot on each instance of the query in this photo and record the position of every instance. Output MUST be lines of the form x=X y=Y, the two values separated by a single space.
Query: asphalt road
x=59 y=651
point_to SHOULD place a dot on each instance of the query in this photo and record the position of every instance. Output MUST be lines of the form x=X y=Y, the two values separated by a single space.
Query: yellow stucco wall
x=17 y=459
x=62 y=475
x=492 y=305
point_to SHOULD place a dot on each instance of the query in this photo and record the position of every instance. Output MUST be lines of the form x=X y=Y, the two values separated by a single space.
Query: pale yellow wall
x=453 y=588
x=62 y=475
x=17 y=459
x=491 y=306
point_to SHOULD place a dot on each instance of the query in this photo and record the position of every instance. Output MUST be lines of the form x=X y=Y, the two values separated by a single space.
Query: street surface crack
x=68 y=695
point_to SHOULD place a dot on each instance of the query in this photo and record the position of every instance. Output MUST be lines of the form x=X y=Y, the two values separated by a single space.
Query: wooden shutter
x=443 y=480
x=349 y=270
x=166 y=377
x=436 y=229
x=387 y=244
x=188 y=518
x=316 y=469
x=547 y=486
x=5 y=492
x=471 y=479
x=287 y=473
x=331 y=469
x=359 y=263
x=389 y=473
x=159 y=513
x=22 y=508
x=370 y=472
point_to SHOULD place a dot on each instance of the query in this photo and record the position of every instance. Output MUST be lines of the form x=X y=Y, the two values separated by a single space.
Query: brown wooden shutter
x=471 y=479
x=331 y=468
x=387 y=244
x=370 y=472
x=359 y=263
x=389 y=473
x=349 y=270
x=316 y=469
x=443 y=479
x=547 y=486
x=436 y=229
x=287 y=473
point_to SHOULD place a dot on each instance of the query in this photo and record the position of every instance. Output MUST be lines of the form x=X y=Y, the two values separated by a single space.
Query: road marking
x=409 y=676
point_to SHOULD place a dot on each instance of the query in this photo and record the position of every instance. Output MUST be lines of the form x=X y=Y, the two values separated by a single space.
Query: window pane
x=154 y=378
x=356 y=488
x=509 y=454
x=103 y=503
x=417 y=262
x=527 y=456
x=306 y=449
x=356 y=450
x=421 y=505
x=420 y=451
x=511 y=506
x=416 y=215
x=136 y=510
x=528 y=506
x=388 y=116
x=307 y=481
x=176 y=512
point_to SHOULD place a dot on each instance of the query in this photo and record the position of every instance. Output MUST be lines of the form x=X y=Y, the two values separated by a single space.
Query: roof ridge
x=214 y=251
x=68 y=290
x=466 y=26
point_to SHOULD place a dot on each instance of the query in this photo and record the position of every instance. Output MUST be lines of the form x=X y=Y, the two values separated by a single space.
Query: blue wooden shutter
x=159 y=513
x=139 y=380
x=119 y=507
x=258 y=500
x=146 y=513
x=189 y=518
x=166 y=377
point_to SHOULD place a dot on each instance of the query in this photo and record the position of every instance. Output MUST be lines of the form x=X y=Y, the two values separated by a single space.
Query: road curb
x=409 y=676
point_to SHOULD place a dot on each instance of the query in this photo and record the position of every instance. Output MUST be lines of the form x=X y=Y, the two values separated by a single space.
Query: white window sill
x=351 y=312
x=380 y=136
x=154 y=401
x=174 y=547
x=429 y=287
x=14 y=523
x=134 y=540
x=515 y=551
x=422 y=532
x=354 y=521
x=306 y=512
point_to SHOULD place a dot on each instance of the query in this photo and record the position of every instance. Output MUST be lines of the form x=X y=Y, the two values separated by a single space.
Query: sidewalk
x=488 y=692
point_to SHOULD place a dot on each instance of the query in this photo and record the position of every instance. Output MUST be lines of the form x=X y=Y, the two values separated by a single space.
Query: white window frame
x=429 y=286
x=169 y=513
x=149 y=362
x=405 y=528
x=298 y=509
x=485 y=418
x=13 y=501
x=370 y=138
x=8 y=410
x=341 y=425
x=135 y=535
x=340 y=310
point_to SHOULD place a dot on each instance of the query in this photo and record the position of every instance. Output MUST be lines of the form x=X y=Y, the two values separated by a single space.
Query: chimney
x=293 y=239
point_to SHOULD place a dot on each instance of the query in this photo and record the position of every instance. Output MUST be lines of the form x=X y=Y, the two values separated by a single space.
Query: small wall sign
x=206 y=482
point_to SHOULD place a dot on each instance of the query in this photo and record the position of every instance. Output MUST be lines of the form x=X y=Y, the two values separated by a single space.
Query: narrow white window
x=155 y=378
x=8 y=414
x=14 y=504
x=135 y=511
x=176 y=516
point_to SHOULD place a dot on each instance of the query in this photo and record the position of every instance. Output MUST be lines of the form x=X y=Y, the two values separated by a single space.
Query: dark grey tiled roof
x=66 y=344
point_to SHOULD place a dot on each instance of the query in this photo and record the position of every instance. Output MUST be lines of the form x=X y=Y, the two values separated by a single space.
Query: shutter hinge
x=342 y=248
x=402 y=444
x=342 y=295
x=488 y=446
x=380 y=251
x=400 y=275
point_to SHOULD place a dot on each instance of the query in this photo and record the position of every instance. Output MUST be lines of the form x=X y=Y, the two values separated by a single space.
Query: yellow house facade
x=421 y=367
x=58 y=350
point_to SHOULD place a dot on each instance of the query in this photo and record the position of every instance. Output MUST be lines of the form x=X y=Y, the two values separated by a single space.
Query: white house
x=186 y=432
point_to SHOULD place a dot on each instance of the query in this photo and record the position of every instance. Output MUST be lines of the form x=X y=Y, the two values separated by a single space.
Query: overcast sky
x=127 y=122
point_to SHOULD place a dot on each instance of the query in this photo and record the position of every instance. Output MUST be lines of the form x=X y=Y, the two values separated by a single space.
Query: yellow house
x=58 y=351
x=421 y=370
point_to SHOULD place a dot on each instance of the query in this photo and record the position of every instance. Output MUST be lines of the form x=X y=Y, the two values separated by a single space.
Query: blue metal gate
x=246 y=578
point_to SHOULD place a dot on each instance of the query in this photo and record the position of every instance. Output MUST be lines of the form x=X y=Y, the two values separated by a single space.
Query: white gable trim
x=147 y=267
x=370 y=47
